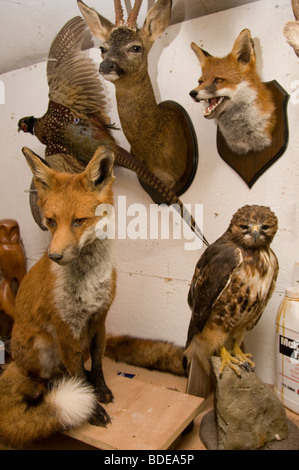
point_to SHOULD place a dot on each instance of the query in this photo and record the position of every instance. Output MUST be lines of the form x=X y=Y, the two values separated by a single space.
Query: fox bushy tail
x=30 y=412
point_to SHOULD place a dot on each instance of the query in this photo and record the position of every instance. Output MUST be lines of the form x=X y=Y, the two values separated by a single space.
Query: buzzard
x=231 y=286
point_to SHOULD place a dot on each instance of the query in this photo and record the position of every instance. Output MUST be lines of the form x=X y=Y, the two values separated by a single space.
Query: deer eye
x=136 y=49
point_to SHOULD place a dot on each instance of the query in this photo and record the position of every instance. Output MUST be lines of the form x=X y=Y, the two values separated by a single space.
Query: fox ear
x=99 y=171
x=41 y=171
x=243 y=49
x=97 y=24
x=201 y=54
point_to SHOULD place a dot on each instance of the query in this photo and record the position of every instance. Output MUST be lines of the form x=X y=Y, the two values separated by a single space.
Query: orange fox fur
x=151 y=354
x=61 y=308
x=233 y=94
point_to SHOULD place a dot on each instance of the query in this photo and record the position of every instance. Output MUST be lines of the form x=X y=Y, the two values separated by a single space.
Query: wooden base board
x=143 y=417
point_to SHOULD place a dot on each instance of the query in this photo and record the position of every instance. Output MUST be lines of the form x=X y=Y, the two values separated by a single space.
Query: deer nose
x=107 y=66
x=55 y=257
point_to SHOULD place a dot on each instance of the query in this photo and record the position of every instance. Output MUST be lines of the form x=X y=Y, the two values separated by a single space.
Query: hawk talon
x=243 y=358
x=228 y=360
x=246 y=366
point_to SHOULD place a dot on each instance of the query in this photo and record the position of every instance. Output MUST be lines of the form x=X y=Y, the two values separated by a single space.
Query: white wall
x=154 y=275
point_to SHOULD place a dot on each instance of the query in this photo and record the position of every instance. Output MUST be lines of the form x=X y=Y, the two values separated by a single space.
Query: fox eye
x=78 y=222
x=218 y=80
x=103 y=49
x=200 y=82
x=50 y=222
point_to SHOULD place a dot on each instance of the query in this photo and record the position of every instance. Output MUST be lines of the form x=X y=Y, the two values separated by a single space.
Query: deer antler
x=119 y=14
x=131 y=22
x=295 y=6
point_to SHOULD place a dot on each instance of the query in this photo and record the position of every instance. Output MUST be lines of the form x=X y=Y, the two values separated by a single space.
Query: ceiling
x=28 y=27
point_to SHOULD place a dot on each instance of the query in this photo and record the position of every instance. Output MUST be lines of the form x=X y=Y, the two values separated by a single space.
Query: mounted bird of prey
x=75 y=123
x=231 y=286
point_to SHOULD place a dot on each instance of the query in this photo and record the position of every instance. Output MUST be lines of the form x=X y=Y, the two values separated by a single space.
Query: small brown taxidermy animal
x=234 y=95
x=233 y=281
x=60 y=310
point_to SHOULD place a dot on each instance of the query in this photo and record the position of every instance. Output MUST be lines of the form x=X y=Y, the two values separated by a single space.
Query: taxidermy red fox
x=60 y=310
x=235 y=96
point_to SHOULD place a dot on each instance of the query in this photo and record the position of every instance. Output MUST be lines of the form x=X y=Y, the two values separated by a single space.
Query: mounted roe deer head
x=155 y=133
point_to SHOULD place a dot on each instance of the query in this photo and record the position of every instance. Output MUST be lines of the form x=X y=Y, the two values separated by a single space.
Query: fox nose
x=55 y=257
x=193 y=94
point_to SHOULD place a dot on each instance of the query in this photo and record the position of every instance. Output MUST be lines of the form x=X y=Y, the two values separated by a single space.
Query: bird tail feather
x=199 y=383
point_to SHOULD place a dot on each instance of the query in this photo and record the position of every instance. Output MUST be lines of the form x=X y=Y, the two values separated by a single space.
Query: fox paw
x=104 y=395
x=100 y=417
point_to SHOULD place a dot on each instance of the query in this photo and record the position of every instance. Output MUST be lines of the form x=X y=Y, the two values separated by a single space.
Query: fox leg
x=38 y=356
x=96 y=336
x=71 y=354
x=73 y=359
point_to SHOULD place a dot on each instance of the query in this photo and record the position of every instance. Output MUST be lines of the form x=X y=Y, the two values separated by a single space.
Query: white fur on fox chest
x=83 y=286
x=242 y=123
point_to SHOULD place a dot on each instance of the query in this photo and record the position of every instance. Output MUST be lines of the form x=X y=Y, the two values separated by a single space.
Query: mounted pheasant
x=156 y=133
x=75 y=124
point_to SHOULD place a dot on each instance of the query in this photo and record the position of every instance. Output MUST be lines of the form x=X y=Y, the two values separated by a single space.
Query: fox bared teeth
x=213 y=103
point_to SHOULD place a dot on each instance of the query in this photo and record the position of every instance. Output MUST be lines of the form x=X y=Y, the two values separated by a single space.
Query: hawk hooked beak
x=255 y=232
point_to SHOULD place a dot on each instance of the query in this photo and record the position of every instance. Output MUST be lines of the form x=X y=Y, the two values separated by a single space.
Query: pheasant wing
x=72 y=76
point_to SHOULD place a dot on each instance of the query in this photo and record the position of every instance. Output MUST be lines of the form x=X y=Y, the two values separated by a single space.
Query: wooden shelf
x=143 y=416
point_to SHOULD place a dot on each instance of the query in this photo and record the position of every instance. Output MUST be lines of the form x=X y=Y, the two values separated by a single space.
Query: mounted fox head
x=233 y=93
x=69 y=201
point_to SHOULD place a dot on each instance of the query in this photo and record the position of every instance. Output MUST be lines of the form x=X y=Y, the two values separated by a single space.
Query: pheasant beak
x=255 y=232
x=22 y=127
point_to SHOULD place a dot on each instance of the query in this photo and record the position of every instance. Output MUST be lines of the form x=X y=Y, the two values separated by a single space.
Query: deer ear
x=201 y=54
x=98 y=25
x=99 y=171
x=157 y=19
x=243 y=49
x=41 y=171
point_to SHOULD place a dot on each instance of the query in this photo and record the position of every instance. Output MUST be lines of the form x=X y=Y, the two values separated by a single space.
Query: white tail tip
x=74 y=401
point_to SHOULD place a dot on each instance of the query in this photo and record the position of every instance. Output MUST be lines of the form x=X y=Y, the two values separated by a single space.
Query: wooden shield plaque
x=252 y=165
x=192 y=154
